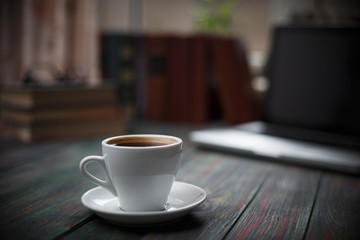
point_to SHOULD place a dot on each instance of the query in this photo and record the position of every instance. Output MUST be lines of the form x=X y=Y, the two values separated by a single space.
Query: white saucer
x=182 y=199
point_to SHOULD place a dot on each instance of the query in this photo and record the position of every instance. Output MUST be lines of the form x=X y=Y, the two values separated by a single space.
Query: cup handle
x=101 y=162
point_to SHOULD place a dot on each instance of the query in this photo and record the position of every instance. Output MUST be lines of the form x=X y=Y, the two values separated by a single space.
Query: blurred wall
x=56 y=38
x=113 y=15
x=252 y=19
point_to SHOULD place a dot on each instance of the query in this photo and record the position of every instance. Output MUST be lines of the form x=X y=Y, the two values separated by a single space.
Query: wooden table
x=41 y=187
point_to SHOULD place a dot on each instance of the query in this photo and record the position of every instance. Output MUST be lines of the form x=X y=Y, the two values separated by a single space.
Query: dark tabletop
x=41 y=188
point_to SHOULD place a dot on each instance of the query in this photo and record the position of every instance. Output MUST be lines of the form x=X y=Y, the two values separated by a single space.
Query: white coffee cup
x=140 y=169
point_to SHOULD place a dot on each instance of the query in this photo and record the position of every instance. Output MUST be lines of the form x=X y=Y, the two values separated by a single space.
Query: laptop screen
x=314 y=75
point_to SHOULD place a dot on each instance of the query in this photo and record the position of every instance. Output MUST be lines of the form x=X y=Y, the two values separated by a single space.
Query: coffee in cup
x=140 y=169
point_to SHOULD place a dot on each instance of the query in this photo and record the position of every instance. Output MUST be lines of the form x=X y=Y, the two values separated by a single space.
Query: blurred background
x=186 y=62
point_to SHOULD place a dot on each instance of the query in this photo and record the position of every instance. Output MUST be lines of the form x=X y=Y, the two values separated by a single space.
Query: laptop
x=311 y=114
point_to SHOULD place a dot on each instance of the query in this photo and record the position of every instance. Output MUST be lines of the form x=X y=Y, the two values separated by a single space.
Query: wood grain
x=230 y=182
x=336 y=212
x=282 y=208
x=40 y=198
x=41 y=188
x=18 y=154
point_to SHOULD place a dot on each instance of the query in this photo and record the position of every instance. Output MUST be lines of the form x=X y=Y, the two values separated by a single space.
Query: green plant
x=214 y=16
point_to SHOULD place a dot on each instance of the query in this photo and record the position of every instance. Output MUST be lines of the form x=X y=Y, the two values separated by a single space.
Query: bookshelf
x=169 y=77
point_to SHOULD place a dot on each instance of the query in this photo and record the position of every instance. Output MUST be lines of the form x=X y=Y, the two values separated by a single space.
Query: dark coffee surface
x=140 y=142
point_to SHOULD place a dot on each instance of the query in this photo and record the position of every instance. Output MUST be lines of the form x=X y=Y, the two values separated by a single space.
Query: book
x=178 y=81
x=156 y=81
x=128 y=53
x=122 y=55
x=232 y=78
x=70 y=114
x=64 y=113
x=30 y=98
x=78 y=130
x=199 y=80
x=109 y=57
x=174 y=77
x=140 y=94
x=178 y=108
